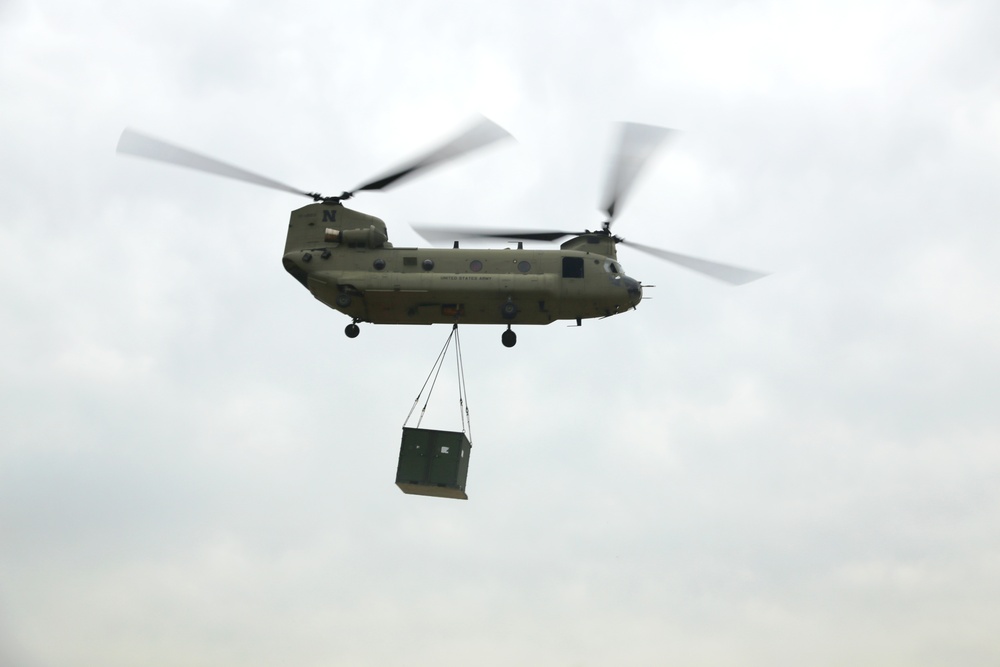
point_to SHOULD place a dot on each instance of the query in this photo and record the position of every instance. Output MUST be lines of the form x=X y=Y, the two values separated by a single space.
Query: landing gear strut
x=508 y=338
x=352 y=330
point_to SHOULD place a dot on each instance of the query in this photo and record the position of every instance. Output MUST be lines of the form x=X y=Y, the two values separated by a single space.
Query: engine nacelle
x=315 y=225
x=372 y=237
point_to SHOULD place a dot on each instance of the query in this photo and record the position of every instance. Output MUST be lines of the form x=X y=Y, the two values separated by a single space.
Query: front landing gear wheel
x=508 y=338
x=352 y=330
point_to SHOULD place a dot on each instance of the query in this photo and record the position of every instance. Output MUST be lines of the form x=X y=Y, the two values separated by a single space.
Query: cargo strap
x=463 y=398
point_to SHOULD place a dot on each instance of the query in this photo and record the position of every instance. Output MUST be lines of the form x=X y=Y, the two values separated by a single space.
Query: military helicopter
x=344 y=258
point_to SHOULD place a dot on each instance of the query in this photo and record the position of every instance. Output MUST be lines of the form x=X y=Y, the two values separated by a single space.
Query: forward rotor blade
x=141 y=145
x=482 y=133
x=733 y=275
x=637 y=144
x=454 y=233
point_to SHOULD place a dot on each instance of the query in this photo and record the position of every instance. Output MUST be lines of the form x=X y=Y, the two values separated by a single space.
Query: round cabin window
x=476 y=266
x=428 y=264
x=379 y=264
x=524 y=267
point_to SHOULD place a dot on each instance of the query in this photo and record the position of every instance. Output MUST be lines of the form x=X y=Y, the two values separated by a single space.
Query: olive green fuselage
x=343 y=257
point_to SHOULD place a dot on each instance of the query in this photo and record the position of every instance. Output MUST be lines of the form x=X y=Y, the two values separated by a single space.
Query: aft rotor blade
x=455 y=233
x=733 y=275
x=636 y=145
x=141 y=145
x=481 y=133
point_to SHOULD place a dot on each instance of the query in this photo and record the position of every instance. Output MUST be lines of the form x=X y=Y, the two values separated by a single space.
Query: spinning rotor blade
x=733 y=275
x=728 y=273
x=454 y=233
x=637 y=144
x=482 y=133
x=134 y=143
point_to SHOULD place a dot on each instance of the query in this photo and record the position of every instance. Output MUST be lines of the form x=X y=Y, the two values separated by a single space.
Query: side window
x=572 y=267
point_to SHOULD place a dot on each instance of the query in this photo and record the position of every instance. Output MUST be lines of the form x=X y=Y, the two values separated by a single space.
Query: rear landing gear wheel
x=352 y=330
x=508 y=338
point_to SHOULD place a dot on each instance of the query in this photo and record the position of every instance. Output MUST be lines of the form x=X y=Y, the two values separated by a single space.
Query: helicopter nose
x=634 y=291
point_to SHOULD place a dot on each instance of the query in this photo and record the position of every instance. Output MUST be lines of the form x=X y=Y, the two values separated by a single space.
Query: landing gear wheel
x=508 y=338
x=352 y=330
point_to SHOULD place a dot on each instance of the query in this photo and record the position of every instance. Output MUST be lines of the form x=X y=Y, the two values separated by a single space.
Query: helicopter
x=344 y=257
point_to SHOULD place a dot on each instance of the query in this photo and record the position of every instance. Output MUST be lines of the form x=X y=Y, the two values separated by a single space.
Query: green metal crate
x=433 y=463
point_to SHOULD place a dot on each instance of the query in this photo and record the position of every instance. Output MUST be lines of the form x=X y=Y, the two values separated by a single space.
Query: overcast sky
x=197 y=466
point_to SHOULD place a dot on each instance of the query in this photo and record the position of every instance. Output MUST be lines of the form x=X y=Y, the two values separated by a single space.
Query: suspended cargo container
x=433 y=463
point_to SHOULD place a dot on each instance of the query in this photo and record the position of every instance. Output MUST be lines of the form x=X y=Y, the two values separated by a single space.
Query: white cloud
x=197 y=467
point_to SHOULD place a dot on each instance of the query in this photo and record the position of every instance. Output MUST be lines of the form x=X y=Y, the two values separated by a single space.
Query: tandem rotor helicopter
x=344 y=258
